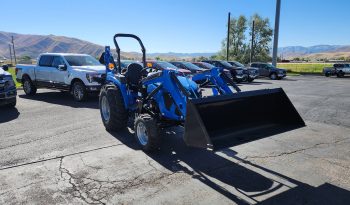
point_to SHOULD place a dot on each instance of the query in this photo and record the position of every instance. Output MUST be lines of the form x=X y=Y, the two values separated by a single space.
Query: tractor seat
x=133 y=74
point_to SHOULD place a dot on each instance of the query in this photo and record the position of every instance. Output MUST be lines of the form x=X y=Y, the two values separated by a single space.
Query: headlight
x=90 y=76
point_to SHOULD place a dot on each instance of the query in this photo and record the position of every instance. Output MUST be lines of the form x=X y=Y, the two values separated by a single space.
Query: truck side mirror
x=62 y=67
x=5 y=67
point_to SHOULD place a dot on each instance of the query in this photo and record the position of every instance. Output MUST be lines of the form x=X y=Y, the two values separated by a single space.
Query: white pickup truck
x=338 y=69
x=63 y=71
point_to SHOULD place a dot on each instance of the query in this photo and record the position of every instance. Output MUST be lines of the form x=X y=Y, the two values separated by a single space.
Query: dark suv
x=253 y=73
x=8 y=90
x=268 y=70
x=238 y=74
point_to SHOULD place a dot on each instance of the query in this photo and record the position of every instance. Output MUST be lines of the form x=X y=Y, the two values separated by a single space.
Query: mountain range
x=319 y=51
x=33 y=45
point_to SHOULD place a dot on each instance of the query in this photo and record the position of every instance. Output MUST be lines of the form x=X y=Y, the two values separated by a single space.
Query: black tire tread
x=33 y=88
x=153 y=131
x=85 y=95
x=119 y=115
x=272 y=74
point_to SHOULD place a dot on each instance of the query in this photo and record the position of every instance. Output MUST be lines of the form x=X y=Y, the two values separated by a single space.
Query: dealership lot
x=56 y=151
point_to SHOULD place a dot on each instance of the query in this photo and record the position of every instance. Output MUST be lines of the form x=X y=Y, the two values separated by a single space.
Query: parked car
x=268 y=70
x=125 y=63
x=8 y=90
x=253 y=73
x=338 y=69
x=238 y=74
x=162 y=65
x=208 y=66
x=187 y=66
x=63 y=71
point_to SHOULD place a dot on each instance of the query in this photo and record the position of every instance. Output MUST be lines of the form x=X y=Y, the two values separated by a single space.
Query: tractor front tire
x=113 y=112
x=147 y=133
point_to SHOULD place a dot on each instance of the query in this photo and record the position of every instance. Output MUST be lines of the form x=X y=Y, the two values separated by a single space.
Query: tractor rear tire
x=113 y=112
x=147 y=133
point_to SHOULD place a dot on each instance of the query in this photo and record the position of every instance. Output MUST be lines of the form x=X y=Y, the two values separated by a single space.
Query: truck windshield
x=81 y=61
x=191 y=66
x=226 y=64
x=166 y=65
x=269 y=66
x=238 y=64
x=207 y=65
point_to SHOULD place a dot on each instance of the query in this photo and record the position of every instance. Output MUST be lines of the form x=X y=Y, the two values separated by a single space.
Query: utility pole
x=10 y=54
x=228 y=36
x=252 y=43
x=14 y=52
x=275 y=37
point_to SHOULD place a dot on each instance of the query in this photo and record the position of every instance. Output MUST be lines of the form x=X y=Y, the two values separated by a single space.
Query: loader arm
x=166 y=83
x=219 y=79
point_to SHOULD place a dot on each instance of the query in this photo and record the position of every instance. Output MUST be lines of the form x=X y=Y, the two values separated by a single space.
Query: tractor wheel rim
x=78 y=92
x=142 y=133
x=26 y=86
x=105 y=109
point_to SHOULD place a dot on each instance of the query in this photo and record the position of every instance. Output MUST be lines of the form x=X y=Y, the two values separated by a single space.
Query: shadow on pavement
x=63 y=98
x=235 y=180
x=7 y=114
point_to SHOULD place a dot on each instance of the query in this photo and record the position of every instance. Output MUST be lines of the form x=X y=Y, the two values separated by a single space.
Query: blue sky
x=175 y=25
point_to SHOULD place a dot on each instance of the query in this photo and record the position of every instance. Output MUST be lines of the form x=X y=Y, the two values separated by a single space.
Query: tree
x=202 y=58
x=239 y=43
x=237 y=37
x=262 y=37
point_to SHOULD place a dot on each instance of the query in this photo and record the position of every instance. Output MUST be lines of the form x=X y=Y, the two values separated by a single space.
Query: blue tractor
x=154 y=100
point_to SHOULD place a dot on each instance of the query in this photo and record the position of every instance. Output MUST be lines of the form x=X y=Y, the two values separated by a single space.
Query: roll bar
x=118 y=49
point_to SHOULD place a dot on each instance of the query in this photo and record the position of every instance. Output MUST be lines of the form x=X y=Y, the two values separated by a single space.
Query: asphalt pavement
x=56 y=151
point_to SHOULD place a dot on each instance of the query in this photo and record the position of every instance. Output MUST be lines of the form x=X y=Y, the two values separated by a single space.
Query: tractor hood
x=98 y=69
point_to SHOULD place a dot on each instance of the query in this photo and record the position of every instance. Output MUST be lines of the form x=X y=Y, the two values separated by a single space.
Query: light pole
x=252 y=43
x=275 y=37
x=228 y=36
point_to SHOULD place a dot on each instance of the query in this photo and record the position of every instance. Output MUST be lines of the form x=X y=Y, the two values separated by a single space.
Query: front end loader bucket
x=223 y=121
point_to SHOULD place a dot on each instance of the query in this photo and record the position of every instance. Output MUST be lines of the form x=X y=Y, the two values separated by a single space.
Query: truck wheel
x=147 y=132
x=79 y=91
x=327 y=74
x=273 y=76
x=12 y=104
x=28 y=86
x=113 y=113
x=250 y=80
x=340 y=74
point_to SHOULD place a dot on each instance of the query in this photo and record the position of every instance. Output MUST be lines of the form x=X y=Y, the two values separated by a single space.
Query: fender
x=122 y=87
